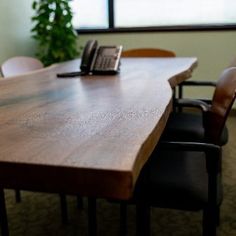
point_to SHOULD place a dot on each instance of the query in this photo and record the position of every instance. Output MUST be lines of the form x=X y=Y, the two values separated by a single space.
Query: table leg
x=64 y=211
x=92 y=216
x=123 y=218
x=17 y=195
x=143 y=219
x=3 y=214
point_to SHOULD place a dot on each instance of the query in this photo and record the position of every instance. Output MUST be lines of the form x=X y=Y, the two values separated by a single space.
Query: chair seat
x=179 y=185
x=184 y=126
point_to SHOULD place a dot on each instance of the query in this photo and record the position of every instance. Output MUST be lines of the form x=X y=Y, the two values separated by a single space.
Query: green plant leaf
x=57 y=40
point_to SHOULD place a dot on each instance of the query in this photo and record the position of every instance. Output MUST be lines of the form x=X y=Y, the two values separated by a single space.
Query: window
x=90 y=14
x=118 y=15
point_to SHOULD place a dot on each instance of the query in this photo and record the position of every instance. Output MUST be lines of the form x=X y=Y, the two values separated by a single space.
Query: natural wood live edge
x=89 y=135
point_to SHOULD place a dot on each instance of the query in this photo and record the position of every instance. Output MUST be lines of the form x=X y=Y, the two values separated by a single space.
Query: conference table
x=88 y=135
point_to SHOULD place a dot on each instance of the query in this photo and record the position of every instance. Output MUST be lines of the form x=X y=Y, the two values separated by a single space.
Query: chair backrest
x=20 y=65
x=222 y=102
x=148 y=52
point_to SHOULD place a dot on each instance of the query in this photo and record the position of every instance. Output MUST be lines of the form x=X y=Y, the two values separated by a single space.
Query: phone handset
x=88 y=55
x=86 y=61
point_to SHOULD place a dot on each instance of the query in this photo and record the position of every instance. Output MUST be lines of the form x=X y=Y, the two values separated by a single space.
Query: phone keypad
x=105 y=63
x=107 y=60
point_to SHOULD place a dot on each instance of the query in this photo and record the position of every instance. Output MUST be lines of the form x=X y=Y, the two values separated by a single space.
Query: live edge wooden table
x=86 y=135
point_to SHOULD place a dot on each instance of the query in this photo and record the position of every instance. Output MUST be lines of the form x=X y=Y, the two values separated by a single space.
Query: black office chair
x=189 y=126
x=187 y=175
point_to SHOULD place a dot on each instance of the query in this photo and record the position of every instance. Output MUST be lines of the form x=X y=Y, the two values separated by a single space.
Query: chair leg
x=17 y=195
x=209 y=222
x=92 y=216
x=3 y=215
x=64 y=211
x=180 y=88
x=123 y=219
x=211 y=211
x=218 y=216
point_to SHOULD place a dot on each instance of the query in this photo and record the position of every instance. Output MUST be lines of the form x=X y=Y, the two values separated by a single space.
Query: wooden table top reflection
x=89 y=135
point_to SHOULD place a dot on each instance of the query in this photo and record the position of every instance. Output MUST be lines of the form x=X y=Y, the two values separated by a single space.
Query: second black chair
x=189 y=125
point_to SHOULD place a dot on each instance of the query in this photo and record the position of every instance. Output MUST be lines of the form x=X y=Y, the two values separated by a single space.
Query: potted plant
x=54 y=31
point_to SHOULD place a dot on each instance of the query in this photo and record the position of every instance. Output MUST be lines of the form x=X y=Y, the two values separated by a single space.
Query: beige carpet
x=39 y=214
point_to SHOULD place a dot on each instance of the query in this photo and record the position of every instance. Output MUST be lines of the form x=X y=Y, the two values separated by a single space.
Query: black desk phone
x=103 y=60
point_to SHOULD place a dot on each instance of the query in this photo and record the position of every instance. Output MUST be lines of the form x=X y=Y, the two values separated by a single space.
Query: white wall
x=15 y=25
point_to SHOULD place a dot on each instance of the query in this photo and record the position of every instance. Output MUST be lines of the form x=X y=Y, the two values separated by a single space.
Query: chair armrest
x=194 y=103
x=189 y=146
x=195 y=83
x=198 y=83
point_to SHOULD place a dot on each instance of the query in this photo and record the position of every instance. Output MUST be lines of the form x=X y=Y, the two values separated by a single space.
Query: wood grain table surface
x=89 y=135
